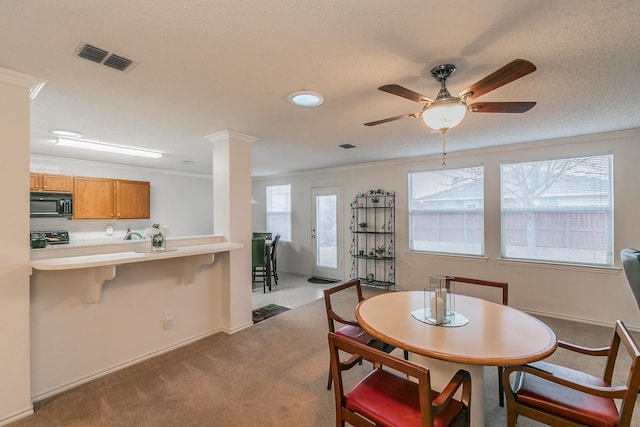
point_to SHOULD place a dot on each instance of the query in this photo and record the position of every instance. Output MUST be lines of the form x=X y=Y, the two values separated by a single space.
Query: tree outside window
x=558 y=210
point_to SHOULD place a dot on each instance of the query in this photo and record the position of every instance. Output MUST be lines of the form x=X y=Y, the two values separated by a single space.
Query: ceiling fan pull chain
x=444 y=151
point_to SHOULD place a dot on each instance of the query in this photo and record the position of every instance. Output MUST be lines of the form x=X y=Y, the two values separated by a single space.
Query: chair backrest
x=631 y=264
x=332 y=316
x=261 y=235
x=258 y=253
x=274 y=247
x=622 y=336
x=380 y=361
x=503 y=286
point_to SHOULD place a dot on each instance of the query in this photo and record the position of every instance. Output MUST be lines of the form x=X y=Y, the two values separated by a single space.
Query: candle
x=437 y=309
x=442 y=293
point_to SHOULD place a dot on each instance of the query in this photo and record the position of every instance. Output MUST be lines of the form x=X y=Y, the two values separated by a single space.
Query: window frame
x=608 y=221
x=478 y=211
x=285 y=236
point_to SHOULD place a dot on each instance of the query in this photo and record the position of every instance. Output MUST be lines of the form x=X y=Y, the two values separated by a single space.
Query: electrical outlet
x=168 y=320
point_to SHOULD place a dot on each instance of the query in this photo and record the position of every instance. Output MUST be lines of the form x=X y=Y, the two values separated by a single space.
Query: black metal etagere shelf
x=373 y=238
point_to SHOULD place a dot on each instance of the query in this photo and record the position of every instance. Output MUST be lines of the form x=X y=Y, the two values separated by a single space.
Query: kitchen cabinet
x=103 y=198
x=50 y=182
x=132 y=199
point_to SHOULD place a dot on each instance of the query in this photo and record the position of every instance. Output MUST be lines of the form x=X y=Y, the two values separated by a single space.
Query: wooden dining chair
x=274 y=255
x=259 y=262
x=561 y=396
x=502 y=297
x=397 y=392
x=261 y=235
x=349 y=327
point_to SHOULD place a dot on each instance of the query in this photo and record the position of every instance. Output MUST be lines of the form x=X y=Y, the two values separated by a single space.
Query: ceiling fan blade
x=395 y=89
x=500 y=107
x=510 y=72
x=391 y=119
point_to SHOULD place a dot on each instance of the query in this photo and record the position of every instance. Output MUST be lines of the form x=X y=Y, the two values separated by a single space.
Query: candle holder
x=439 y=299
x=440 y=303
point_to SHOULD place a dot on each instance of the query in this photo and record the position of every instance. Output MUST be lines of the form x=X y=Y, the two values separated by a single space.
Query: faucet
x=130 y=234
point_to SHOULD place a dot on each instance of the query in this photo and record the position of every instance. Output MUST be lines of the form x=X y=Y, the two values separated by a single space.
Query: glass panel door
x=326 y=233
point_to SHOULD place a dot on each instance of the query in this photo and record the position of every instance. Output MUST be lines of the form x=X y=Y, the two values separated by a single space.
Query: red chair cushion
x=568 y=403
x=355 y=333
x=390 y=400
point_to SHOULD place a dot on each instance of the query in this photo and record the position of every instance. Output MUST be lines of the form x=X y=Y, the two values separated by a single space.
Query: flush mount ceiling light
x=306 y=98
x=66 y=133
x=98 y=146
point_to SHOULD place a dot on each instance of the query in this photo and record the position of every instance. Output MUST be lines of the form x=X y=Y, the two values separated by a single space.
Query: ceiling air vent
x=92 y=53
x=101 y=56
x=117 y=62
x=346 y=146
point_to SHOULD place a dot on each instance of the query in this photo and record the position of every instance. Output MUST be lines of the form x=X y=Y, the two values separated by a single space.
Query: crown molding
x=14 y=78
x=228 y=134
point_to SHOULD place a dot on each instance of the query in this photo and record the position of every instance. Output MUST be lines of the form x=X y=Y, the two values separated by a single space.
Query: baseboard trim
x=17 y=416
x=119 y=366
x=577 y=319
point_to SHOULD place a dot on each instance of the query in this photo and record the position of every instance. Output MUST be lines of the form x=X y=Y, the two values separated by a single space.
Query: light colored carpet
x=272 y=374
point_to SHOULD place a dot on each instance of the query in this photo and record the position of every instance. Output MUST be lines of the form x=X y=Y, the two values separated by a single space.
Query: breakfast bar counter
x=101 y=267
x=118 y=258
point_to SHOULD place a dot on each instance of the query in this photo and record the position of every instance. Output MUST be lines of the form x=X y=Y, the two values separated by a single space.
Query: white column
x=15 y=357
x=232 y=219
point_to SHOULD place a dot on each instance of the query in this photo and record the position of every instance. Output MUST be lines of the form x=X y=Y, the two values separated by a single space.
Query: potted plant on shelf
x=375 y=200
x=363 y=225
x=380 y=251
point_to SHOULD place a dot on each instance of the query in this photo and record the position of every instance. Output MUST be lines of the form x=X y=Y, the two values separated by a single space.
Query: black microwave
x=51 y=205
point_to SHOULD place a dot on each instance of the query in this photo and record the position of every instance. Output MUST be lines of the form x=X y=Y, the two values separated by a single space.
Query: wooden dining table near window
x=495 y=335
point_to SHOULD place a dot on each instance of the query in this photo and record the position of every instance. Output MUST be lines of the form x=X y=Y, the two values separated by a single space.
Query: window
x=446 y=211
x=558 y=210
x=279 y=211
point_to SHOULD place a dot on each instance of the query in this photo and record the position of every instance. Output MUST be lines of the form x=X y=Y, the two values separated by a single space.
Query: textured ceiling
x=204 y=66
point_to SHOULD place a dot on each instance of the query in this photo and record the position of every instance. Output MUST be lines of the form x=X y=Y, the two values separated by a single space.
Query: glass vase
x=158 y=243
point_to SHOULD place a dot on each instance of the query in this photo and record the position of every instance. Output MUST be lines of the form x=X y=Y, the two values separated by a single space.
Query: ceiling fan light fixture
x=444 y=114
x=305 y=98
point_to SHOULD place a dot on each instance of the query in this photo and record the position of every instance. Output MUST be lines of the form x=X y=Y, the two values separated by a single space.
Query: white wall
x=184 y=202
x=73 y=341
x=597 y=295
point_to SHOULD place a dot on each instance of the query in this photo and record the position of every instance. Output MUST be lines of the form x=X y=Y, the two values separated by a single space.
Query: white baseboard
x=577 y=319
x=17 y=416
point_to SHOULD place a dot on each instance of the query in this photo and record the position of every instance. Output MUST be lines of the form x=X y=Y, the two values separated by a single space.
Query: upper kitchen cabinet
x=48 y=182
x=132 y=199
x=101 y=198
x=93 y=198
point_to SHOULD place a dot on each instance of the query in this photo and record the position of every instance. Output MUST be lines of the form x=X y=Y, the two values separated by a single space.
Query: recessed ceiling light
x=66 y=133
x=306 y=98
x=97 y=146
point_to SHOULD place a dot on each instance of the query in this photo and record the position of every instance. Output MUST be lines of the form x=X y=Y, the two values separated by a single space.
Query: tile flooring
x=292 y=291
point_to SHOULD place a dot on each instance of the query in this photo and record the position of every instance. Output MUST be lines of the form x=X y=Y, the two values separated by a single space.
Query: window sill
x=472 y=258
x=603 y=269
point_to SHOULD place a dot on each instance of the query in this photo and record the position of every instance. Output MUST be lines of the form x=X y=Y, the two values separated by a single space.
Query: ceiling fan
x=447 y=111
